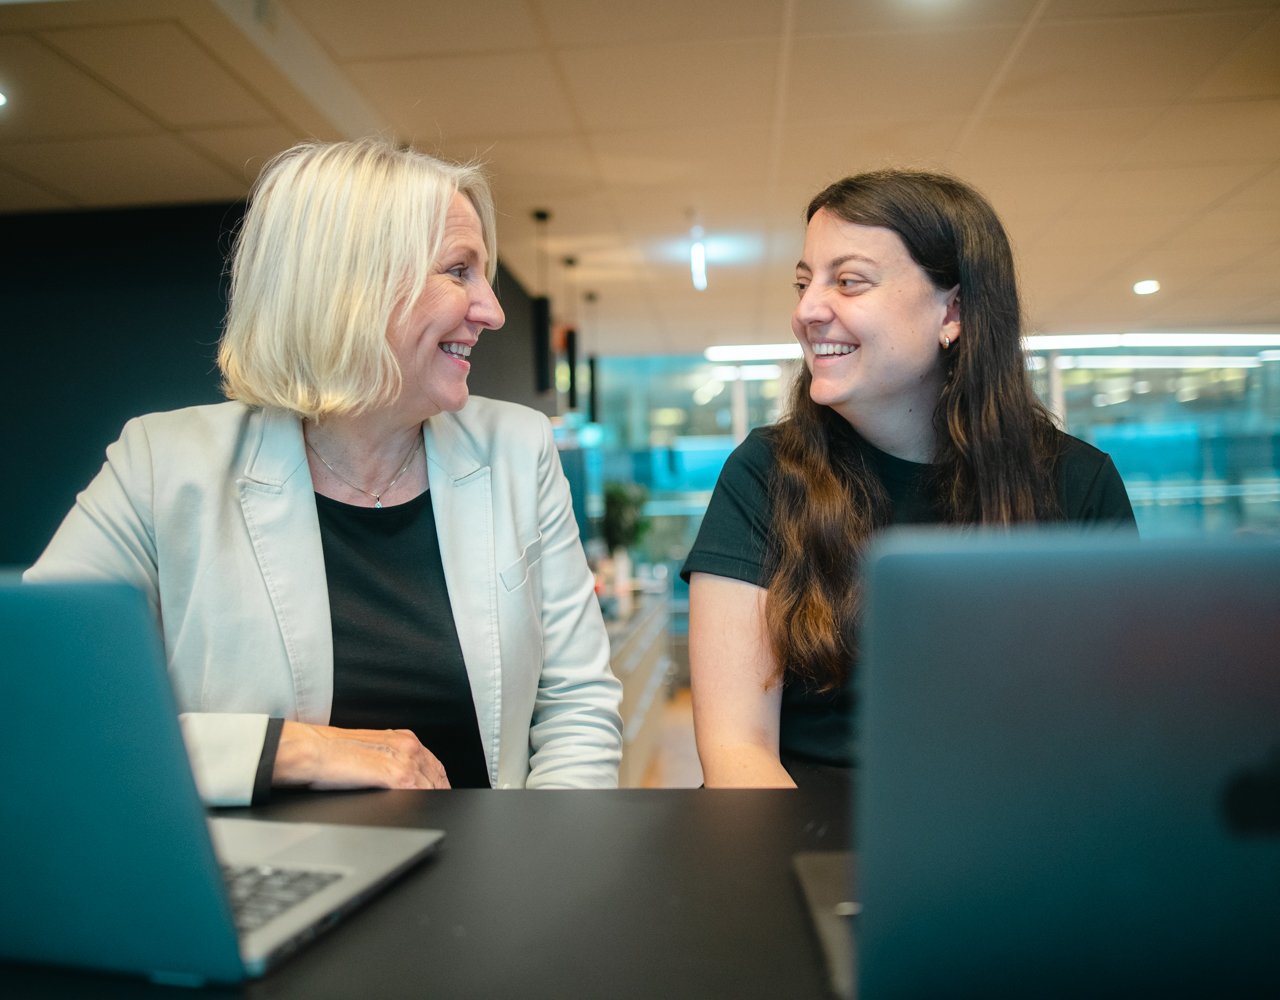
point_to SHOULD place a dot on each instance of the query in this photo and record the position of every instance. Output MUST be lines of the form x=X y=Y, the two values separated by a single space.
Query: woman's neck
x=903 y=436
x=365 y=460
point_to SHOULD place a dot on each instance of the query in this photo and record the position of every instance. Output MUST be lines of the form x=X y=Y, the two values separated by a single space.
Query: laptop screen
x=1069 y=754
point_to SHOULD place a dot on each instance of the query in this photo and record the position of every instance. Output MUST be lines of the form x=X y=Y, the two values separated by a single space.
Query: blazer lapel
x=461 y=497
x=278 y=500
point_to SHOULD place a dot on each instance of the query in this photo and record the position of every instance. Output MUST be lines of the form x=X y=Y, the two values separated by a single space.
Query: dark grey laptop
x=106 y=856
x=1069 y=777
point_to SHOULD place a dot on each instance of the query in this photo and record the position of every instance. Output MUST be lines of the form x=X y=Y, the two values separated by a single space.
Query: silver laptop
x=1069 y=779
x=106 y=855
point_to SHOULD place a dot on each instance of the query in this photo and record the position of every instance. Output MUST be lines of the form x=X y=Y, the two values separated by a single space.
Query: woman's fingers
x=329 y=757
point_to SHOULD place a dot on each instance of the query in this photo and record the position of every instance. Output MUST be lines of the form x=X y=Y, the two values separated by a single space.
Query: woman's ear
x=950 y=331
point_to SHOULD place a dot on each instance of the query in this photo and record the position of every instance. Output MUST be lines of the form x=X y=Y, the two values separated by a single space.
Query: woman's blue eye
x=459 y=271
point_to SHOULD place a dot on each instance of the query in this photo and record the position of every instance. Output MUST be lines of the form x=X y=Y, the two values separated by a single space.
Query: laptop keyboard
x=260 y=892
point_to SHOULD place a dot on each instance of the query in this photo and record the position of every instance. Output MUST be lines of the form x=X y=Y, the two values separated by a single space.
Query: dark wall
x=502 y=363
x=110 y=314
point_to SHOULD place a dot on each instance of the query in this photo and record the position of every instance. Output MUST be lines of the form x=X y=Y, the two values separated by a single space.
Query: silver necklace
x=377 y=497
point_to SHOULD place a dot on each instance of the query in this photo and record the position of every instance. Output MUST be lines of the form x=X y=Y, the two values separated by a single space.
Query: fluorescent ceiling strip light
x=752 y=352
x=1154 y=361
x=745 y=373
x=1112 y=341
x=698 y=260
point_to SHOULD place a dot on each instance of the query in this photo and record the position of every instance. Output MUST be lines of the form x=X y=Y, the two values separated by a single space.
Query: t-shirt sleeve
x=731 y=541
x=1093 y=493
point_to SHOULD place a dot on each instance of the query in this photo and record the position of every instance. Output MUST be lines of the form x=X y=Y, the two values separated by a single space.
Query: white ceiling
x=1119 y=139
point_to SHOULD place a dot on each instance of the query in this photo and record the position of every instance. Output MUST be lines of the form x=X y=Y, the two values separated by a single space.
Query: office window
x=1194 y=432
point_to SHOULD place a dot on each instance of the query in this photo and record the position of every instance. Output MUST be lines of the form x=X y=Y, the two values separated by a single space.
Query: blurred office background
x=1132 y=147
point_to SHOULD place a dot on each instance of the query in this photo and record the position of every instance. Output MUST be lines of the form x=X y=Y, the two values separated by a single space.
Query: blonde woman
x=362 y=576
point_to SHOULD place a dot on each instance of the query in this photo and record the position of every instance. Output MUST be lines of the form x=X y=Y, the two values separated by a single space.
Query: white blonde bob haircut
x=337 y=243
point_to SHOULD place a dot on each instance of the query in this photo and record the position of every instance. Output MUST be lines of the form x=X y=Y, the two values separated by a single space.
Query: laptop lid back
x=104 y=851
x=1070 y=767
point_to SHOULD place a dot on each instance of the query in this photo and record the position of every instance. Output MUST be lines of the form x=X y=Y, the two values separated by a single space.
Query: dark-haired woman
x=914 y=406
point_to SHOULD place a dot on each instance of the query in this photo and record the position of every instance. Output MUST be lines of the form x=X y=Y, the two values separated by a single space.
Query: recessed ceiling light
x=1149 y=286
x=3 y=100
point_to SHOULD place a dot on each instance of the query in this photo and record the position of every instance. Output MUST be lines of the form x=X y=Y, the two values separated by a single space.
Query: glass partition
x=1194 y=430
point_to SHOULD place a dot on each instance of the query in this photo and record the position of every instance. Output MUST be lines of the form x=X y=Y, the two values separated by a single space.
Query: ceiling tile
x=1111 y=8
x=820 y=17
x=586 y=23
x=1110 y=236
x=684 y=158
x=817 y=153
x=1265 y=313
x=374 y=29
x=18 y=194
x=1251 y=70
x=161 y=68
x=1025 y=200
x=142 y=170
x=1175 y=188
x=1262 y=192
x=1233 y=229
x=243 y=151
x=1118 y=61
x=428 y=100
x=51 y=98
x=1212 y=132
x=1055 y=141
x=683 y=84
x=538 y=170
x=842 y=77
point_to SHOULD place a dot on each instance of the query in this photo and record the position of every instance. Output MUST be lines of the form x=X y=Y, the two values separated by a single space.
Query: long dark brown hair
x=997 y=443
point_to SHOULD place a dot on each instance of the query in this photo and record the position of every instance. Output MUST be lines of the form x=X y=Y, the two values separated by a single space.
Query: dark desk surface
x=641 y=893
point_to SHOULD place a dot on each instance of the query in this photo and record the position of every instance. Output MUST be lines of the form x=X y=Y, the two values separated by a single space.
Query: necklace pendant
x=377 y=504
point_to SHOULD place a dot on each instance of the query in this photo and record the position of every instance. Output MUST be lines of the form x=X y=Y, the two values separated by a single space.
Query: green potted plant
x=623 y=525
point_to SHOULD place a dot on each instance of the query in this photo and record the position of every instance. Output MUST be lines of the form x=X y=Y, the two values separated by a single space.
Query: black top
x=732 y=542
x=397 y=663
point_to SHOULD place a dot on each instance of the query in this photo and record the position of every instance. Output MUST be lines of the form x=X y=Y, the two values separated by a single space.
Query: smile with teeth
x=827 y=350
x=457 y=350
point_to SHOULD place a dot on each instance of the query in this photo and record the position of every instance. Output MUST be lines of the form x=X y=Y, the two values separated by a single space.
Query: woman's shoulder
x=203 y=414
x=486 y=431
x=758 y=448
x=1076 y=454
x=482 y=412
x=264 y=444
x=208 y=420
x=751 y=461
x=1089 y=485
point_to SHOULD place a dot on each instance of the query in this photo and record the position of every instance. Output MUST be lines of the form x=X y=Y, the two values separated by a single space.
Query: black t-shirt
x=732 y=542
x=397 y=662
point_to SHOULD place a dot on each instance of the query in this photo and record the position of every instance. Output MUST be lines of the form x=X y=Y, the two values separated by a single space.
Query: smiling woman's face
x=433 y=339
x=871 y=325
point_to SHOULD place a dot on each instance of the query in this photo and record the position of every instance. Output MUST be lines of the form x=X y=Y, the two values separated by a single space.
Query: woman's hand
x=325 y=757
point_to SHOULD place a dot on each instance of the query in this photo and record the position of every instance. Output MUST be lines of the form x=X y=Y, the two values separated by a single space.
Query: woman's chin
x=825 y=394
x=455 y=401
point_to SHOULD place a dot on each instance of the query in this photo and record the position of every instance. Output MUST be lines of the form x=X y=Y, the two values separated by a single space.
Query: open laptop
x=106 y=856
x=1069 y=779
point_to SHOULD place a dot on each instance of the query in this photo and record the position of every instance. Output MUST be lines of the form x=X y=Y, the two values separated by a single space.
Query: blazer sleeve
x=110 y=535
x=575 y=736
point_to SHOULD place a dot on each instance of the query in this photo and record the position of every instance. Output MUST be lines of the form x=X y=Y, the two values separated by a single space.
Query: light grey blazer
x=211 y=511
